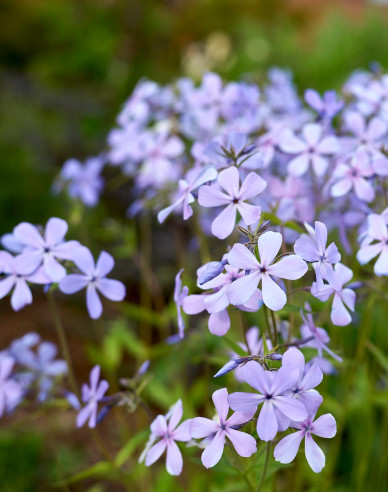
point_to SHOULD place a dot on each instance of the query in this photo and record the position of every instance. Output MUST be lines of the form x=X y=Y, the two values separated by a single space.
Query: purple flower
x=367 y=136
x=286 y=449
x=233 y=199
x=312 y=248
x=274 y=392
x=179 y=295
x=377 y=231
x=243 y=443
x=291 y=267
x=311 y=150
x=44 y=249
x=194 y=179
x=327 y=106
x=169 y=433
x=91 y=395
x=93 y=277
x=10 y=390
x=343 y=297
x=17 y=281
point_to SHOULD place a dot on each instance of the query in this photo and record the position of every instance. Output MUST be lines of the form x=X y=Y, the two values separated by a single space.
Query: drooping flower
x=291 y=267
x=274 y=392
x=286 y=449
x=179 y=295
x=91 y=395
x=168 y=432
x=233 y=197
x=243 y=443
x=93 y=278
x=377 y=231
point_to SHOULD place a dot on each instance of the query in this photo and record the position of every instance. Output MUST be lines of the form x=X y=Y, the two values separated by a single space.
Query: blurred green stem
x=262 y=480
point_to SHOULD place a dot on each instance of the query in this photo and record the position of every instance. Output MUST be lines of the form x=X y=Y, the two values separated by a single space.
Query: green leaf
x=380 y=357
x=102 y=468
x=129 y=447
x=265 y=347
x=234 y=346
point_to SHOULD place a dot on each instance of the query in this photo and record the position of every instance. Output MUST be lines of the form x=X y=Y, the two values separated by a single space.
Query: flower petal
x=243 y=443
x=286 y=449
x=314 y=454
x=174 y=461
x=212 y=454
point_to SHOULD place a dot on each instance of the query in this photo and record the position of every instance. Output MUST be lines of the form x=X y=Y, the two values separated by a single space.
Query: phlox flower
x=194 y=179
x=343 y=297
x=376 y=231
x=233 y=197
x=235 y=151
x=290 y=267
x=179 y=294
x=91 y=395
x=243 y=443
x=274 y=392
x=93 y=278
x=10 y=390
x=286 y=449
x=312 y=149
x=327 y=106
x=14 y=279
x=45 y=248
x=168 y=432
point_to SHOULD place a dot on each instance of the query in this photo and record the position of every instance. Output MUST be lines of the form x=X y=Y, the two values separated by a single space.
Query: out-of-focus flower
x=91 y=395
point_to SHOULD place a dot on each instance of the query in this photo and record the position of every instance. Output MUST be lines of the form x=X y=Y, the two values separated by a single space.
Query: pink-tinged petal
x=312 y=378
x=249 y=213
x=240 y=256
x=367 y=253
x=253 y=185
x=229 y=180
x=111 y=289
x=201 y=427
x=377 y=228
x=6 y=285
x=176 y=415
x=55 y=231
x=376 y=130
x=93 y=302
x=339 y=314
x=183 y=433
x=324 y=426
x=105 y=264
x=243 y=443
x=286 y=449
x=255 y=376
x=239 y=418
x=269 y=245
x=267 y=424
x=273 y=296
x=328 y=145
x=212 y=454
x=242 y=289
x=312 y=133
x=290 y=144
x=206 y=175
x=83 y=415
x=21 y=295
x=220 y=400
x=364 y=190
x=291 y=267
x=244 y=402
x=212 y=196
x=314 y=454
x=224 y=223
x=319 y=164
x=28 y=234
x=194 y=304
x=27 y=262
x=381 y=265
x=73 y=283
x=159 y=426
x=174 y=461
x=155 y=452
x=53 y=269
x=219 y=323
x=84 y=260
x=341 y=187
x=299 y=165
x=291 y=408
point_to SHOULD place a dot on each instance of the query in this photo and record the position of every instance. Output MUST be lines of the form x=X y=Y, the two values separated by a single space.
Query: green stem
x=275 y=328
x=259 y=487
x=268 y=325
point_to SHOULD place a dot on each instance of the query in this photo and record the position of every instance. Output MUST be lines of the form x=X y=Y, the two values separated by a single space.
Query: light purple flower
x=312 y=248
x=377 y=231
x=353 y=175
x=91 y=395
x=93 y=278
x=179 y=295
x=194 y=179
x=233 y=198
x=10 y=390
x=343 y=297
x=44 y=249
x=312 y=150
x=243 y=443
x=286 y=449
x=291 y=267
x=169 y=433
x=327 y=106
x=14 y=279
x=368 y=137
x=274 y=392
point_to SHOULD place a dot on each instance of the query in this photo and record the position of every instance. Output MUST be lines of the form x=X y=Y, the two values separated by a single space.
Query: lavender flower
x=10 y=390
x=179 y=295
x=91 y=395
x=377 y=231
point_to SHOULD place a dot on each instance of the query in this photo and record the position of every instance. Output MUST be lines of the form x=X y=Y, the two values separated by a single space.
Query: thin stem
x=268 y=325
x=259 y=487
x=63 y=341
x=275 y=328
x=296 y=343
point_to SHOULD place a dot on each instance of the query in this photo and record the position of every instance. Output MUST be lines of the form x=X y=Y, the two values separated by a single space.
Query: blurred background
x=66 y=67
